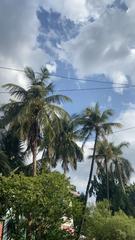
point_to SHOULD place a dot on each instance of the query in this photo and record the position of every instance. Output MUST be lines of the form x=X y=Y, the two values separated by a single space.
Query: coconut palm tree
x=66 y=148
x=109 y=157
x=93 y=121
x=32 y=109
x=103 y=157
x=120 y=167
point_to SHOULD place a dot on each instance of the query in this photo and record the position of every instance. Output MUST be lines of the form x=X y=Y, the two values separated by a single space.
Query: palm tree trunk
x=87 y=188
x=120 y=177
x=34 y=153
x=65 y=171
x=107 y=179
x=44 y=161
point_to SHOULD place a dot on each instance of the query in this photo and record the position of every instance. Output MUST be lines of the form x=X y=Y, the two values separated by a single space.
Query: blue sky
x=56 y=29
x=88 y=39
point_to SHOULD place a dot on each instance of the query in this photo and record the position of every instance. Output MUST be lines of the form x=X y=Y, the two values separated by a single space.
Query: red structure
x=1 y=230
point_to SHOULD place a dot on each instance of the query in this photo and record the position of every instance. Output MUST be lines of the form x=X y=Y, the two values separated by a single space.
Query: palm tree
x=103 y=157
x=92 y=120
x=32 y=109
x=109 y=157
x=120 y=166
x=66 y=149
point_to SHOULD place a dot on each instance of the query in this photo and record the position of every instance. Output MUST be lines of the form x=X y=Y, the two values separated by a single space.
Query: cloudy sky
x=90 y=42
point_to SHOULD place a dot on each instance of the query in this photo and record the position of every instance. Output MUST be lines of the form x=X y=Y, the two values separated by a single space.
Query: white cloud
x=126 y=118
x=97 y=8
x=118 y=77
x=75 y=10
x=19 y=28
x=105 y=46
x=51 y=67
x=78 y=10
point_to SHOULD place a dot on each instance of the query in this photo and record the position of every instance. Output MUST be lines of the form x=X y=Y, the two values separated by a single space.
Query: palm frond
x=127 y=167
x=57 y=99
x=48 y=89
x=44 y=73
x=107 y=113
x=16 y=91
x=30 y=75
x=123 y=144
x=108 y=127
x=54 y=110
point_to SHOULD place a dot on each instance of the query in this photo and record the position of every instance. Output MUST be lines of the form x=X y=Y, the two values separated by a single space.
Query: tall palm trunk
x=34 y=131
x=44 y=160
x=107 y=179
x=120 y=177
x=34 y=153
x=88 y=187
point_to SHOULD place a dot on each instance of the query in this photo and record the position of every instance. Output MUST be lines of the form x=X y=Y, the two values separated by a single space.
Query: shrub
x=101 y=225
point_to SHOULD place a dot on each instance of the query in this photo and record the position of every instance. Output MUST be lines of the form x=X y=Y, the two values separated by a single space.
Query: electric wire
x=67 y=77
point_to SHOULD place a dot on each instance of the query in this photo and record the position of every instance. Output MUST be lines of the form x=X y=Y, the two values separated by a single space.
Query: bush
x=35 y=205
x=101 y=225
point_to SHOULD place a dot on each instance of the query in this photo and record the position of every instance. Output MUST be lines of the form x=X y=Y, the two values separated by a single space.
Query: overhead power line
x=86 y=89
x=93 y=89
x=125 y=86
x=11 y=69
x=88 y=80
x=67 y=77
x=124 y=129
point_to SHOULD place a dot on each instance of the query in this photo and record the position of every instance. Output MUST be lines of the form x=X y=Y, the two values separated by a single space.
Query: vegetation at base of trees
x=101 y=225
x=35 y=206
x=130 y=200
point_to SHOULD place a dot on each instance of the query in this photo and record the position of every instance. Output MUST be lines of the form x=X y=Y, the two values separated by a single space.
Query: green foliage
x=93 y=120
x=11 y=152
x=77 y=208
x=32 y=110
x=101 y=225
x=130 y=200
x=35 y=205
x=118 y=166
x=4 y=163
x=116 y=195
x=64 y=148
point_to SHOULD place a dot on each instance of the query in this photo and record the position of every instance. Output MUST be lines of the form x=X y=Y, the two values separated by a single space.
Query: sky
x=89 y=42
